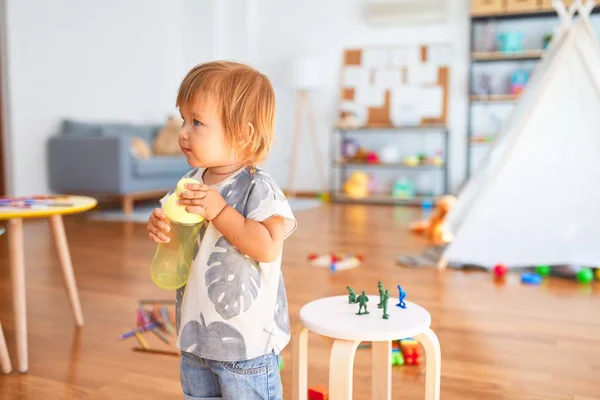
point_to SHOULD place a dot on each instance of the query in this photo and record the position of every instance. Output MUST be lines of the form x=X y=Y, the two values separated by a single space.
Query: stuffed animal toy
x=166 y=143
x=357 y=185
x=140 y=148
x=433 y=228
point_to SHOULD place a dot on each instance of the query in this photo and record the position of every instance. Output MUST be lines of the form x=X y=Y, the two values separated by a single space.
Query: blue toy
x=531 y=279
x=401 y=296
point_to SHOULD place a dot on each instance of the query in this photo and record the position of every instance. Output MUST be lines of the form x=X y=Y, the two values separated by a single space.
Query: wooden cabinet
x=484 y=7
x=517 y=6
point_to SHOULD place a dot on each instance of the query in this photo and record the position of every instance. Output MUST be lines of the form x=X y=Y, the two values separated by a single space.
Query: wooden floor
x=499 y=341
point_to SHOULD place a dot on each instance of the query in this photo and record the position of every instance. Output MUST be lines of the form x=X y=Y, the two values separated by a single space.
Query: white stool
x=336 y=318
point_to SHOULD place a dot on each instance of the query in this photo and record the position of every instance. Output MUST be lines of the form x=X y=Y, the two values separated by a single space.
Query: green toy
x=543 y=270
x=397 y=357
x=380 y=287
x=362 y=300
x=351 y=295
x=386 y=297
x=585 y=275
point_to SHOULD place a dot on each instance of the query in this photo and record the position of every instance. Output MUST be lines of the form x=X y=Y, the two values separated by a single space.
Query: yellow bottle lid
x=176 y=212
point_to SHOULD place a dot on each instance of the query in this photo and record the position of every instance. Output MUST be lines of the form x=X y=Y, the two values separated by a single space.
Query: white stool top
x=335 y=318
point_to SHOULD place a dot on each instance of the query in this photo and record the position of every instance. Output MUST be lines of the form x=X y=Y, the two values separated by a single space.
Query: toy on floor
x=397 y=356
x=500 y=270
x=433 y=227
x=336 y=261
x=543 y=270
x=531 y=279
x=411 y=351
x=318 y=392
x=401 y=296
x=362 y=300
x=585 y=275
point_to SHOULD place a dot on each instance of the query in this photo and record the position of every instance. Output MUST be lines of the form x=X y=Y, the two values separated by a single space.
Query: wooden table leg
x=300 y=364
x=17 y=270
x=341 y=365
x=381 y=371
x=4 y=358
x=62 y=247
x=433 y=363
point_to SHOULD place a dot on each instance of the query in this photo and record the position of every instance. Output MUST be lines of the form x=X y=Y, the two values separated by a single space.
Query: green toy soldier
x=362 y=300
x=380 y=287
x=351 y=295
x=386 y=297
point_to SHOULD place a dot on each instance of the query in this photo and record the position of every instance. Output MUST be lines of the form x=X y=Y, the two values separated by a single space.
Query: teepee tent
x=536 y=198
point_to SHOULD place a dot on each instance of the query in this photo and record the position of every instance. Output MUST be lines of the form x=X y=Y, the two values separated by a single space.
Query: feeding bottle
x=173 y=260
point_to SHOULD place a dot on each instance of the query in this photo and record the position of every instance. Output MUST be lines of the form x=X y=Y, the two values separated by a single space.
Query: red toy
x=372 y=158
x=318 y=392
x=500 y=270
x=412 y=352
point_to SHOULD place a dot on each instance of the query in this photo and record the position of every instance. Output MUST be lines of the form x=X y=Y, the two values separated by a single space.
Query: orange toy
x=412 y=352
x=433 y=227
x=318 y=392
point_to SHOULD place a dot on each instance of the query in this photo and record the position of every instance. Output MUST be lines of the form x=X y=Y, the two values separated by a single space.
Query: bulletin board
x=396 y=86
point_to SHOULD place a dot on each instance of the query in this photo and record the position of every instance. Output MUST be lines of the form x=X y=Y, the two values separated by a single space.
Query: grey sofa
x=96 y=159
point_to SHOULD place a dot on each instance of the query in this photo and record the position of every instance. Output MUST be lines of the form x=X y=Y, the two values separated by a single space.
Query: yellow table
x=72 y=205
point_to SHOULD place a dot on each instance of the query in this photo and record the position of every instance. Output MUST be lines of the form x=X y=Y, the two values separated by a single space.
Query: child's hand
x=158 y=226
x=202 y=200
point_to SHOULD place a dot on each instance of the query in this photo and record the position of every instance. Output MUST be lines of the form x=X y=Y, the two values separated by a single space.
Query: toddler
x=232 y=316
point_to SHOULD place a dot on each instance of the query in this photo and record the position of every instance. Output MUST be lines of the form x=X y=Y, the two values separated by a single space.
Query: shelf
x=497 y=56
x=494 y=98
x=394 y=165
x=382 y=199
x=393 y=128
x=522 y=15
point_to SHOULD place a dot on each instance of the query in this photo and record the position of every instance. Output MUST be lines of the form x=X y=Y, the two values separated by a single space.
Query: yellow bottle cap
x=176 y=212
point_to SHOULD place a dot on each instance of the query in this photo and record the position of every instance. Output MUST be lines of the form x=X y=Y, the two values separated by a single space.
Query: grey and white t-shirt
x=234 y=308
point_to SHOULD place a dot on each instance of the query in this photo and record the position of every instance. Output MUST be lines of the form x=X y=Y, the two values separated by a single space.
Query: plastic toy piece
x=411 y=351
x=531 y=279
x=351 y=295
x=380 y=287
x=401 y=296
x=543 y=270
x=397 y=357
x=598 y=274
x=281 y=363
x=318 y=392
x=362 y=300
x=500 y=270
x=386 y=297
x=585 y=275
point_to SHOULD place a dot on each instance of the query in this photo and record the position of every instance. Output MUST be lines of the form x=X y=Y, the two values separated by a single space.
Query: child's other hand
x=202 y=200
x=158 y=226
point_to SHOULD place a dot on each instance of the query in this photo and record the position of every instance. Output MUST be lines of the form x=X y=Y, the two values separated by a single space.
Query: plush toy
x=140 y=148
x=357 y=185
x=166 y=143
x=433 y=228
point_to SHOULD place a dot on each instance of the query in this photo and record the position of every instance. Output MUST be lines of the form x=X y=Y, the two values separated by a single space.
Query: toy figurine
x=351 y=295
x=384 y=300
x=362 y=300
x=401 y=296
x=380 y=287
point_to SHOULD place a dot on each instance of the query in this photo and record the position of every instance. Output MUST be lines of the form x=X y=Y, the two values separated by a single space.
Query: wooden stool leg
x=300 y=365
x=381 y=371
x=62 y=247
x=341 y=365
x=4 y=358
x=17 y=267
x=433 y=363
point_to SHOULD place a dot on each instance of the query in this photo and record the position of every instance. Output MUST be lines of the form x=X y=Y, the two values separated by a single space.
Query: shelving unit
x=498 y=57
x=339 y=177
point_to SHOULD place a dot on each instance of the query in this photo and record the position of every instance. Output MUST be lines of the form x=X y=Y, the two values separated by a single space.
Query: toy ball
x=389 y=155
x=543 y=270
x=500 y=270
x=585 y=275
x=531 y=279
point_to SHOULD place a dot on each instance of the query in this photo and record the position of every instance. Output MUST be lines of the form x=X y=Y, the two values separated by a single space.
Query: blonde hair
x=244 y=96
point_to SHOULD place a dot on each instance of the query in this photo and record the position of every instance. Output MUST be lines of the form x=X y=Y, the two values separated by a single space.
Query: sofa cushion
x=76 y=128
x=160 y=166
x=109 y=129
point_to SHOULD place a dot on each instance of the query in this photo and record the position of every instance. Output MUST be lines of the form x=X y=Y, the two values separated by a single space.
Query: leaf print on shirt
x=200 y=237
x=219 y=337
x=275 y=189
x=178 y=300
x=282 y=318
x=232 y=279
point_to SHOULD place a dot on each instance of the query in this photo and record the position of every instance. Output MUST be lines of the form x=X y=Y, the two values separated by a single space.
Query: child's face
x=202 y=138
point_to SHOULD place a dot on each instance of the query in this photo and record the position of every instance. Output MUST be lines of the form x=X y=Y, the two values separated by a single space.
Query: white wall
x=109 y=60
x=325 y=29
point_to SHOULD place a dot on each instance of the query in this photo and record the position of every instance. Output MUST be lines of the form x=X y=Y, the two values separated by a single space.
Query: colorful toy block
x=397 y=357
x=412 y=351
x=318 y=392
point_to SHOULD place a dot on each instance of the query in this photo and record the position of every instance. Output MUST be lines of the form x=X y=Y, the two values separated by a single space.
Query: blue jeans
x=255 y=379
